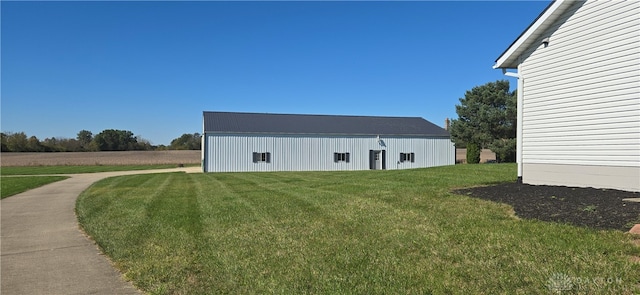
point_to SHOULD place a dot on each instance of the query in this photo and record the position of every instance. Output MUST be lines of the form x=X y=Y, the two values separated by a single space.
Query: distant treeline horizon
x=85 y=141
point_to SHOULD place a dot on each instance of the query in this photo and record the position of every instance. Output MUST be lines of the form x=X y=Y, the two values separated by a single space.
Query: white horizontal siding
x=597 y=119
x=588 y=104
x=576 y=40
x=582 y=92
x=234 y=153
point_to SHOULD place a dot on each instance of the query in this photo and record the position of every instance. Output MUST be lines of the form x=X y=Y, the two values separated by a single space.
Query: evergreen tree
x=487 y=119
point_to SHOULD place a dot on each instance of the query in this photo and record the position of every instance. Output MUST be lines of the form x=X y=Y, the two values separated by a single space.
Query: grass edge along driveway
x=10 y=186
x=374 y=232
x=18 y=179
x=76 y=169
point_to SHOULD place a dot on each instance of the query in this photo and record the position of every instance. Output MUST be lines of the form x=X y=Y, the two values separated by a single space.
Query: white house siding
x=581 y=124
x=234 y=152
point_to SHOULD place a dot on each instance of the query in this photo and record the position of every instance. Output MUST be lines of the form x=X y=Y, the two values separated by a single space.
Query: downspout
x=519 y=106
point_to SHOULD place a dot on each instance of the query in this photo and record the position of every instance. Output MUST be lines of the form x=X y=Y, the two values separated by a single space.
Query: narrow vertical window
x=341 y=157
x=261 y=157
x=407 y=157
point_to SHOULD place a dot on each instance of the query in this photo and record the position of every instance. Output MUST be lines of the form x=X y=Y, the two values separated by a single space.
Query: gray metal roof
x=229 y=122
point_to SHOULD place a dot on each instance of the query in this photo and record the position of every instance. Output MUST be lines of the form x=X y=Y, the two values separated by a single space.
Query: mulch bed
x=590 y=207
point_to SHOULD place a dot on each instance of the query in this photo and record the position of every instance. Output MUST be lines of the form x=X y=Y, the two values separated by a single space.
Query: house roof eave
x=509 y=59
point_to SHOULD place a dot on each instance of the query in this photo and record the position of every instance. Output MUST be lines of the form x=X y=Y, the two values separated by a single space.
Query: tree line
x=85 y=141
x=486 y=120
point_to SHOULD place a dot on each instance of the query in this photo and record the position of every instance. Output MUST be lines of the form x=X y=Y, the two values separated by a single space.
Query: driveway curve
x=42 y=249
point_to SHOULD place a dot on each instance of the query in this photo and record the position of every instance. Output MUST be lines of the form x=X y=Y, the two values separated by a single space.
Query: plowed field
x=100 y=158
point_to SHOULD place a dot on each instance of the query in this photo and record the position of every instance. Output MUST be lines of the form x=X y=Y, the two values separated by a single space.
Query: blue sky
x=154 y=67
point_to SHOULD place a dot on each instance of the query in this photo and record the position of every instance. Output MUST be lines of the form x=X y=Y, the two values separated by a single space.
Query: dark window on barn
x=407 y=157
x=341 y=157
x=261 y=157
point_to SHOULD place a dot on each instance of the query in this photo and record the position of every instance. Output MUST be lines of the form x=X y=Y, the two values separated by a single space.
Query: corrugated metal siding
x=234 y=153
x=582 y=92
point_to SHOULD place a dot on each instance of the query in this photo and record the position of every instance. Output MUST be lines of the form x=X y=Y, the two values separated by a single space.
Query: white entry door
x=376 y=160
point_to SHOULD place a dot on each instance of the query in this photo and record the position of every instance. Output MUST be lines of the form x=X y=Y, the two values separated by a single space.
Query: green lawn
x=366 y=232
x=39 y=170
x=10 y=186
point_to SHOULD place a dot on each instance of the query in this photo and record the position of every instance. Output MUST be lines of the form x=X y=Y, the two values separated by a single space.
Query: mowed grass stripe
x=284 y=201
x=120 y=209
x=374 y=232
x=287 y=236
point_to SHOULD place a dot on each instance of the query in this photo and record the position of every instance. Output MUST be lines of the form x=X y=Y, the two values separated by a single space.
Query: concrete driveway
x=42 y=248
